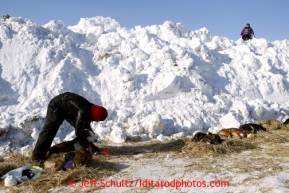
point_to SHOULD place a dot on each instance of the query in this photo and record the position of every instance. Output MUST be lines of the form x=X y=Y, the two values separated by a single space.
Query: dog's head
x=82 y=158
x=214 y=138
x=89 y=135
x=261 y=128
x=198 y=136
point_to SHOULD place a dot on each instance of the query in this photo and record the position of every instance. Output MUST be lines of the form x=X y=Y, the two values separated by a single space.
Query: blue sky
x=268 y=18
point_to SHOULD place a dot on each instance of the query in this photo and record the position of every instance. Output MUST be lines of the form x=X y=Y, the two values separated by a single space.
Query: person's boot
x=39 y=163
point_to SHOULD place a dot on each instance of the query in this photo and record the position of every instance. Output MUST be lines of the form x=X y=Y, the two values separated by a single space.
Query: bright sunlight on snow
x=158 y=82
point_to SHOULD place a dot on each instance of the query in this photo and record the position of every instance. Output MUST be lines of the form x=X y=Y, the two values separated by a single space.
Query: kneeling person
x=77 y=111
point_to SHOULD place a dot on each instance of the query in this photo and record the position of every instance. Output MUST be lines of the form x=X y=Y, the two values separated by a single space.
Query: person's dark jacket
x=247 y=31
x=76 y=110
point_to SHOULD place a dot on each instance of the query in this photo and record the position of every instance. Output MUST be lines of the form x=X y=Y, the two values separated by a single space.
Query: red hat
x=98 y=113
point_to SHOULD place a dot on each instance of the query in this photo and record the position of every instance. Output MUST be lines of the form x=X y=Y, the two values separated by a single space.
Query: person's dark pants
x=54 y=118
x=246 y=37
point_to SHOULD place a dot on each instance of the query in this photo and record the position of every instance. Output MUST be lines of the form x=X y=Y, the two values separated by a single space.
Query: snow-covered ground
x=160 y=81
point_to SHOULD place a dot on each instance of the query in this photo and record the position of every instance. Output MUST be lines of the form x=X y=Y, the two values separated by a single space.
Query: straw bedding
x=103 y=166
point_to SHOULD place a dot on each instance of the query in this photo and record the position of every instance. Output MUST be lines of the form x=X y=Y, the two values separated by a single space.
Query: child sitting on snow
x=247 y=32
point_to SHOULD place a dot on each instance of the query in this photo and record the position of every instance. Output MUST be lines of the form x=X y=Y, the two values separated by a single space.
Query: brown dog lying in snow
x=207 y=138
x=79 y=158
x=252 y=127
x=235 y=133
x=74 y=145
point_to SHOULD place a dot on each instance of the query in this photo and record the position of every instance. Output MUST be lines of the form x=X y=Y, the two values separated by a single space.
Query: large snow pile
x=160 y=81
